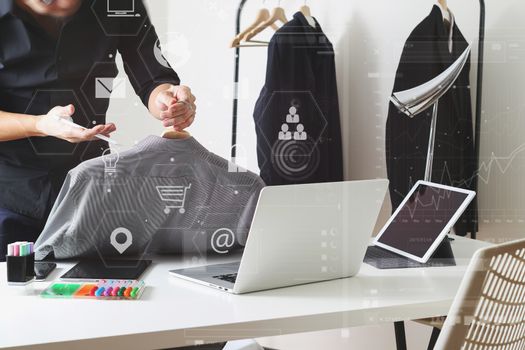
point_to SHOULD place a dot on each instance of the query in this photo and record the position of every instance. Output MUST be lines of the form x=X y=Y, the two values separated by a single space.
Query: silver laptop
x=300 y=234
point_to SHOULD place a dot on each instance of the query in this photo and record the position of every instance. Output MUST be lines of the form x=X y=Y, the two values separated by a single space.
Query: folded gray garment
x=168 y=195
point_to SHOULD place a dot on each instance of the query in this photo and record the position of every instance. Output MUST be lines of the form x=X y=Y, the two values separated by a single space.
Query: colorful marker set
x=20 y=261
x=104 y=289
x=20 y=248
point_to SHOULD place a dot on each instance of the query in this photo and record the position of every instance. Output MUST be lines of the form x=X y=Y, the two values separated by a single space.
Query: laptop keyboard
x=230 y=277
x=385 y=259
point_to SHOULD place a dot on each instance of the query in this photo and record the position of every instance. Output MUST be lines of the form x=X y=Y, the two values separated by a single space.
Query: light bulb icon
x=110 y=160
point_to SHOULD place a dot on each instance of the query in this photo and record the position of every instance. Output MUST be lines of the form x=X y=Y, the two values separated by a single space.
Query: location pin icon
x=121 y=247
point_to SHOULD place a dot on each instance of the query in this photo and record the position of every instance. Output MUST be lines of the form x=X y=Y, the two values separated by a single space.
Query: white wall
x=501 y=193
x=368 y=36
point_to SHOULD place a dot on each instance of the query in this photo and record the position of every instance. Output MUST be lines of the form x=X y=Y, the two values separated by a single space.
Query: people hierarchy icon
x=292 y=118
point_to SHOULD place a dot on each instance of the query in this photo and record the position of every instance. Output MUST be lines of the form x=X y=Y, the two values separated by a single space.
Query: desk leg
x=401 y=342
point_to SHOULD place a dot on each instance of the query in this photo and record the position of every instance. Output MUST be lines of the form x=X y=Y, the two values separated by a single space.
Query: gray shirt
x=161 y=196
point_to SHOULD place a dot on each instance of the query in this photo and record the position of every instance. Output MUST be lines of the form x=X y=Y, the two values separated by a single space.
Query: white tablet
x=423 y=219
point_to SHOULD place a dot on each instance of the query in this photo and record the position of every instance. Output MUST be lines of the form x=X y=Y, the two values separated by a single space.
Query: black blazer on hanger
x=425 y=55
x=300 y=74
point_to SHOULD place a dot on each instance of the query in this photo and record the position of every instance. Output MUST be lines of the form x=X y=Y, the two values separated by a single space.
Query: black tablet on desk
x=107 y=269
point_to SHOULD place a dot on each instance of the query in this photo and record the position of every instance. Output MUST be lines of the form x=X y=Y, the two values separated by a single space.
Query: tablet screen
x=108 y=269
x=422 y=218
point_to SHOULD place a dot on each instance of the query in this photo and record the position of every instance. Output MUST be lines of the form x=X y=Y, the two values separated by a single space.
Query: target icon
x=295 y=160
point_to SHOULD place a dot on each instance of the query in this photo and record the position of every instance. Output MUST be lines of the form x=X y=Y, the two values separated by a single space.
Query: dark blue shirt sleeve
x=143 y=69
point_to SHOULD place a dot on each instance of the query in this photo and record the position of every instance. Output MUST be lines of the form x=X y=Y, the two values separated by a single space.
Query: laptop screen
x=121 y=5
x=421 y=219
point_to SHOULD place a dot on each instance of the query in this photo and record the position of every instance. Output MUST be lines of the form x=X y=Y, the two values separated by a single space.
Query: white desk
x=174 y=312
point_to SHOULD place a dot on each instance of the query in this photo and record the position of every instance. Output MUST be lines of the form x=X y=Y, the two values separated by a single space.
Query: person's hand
x=177 y=106
x=50 y=125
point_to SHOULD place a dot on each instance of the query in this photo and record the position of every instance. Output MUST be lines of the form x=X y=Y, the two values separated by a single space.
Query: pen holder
x=20 y=269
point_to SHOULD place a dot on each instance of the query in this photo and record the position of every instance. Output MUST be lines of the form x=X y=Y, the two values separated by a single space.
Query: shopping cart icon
x=174 y=196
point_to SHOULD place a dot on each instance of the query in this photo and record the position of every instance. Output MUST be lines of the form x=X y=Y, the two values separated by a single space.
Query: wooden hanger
x=305 y=10
x=172 y=134
x=444 y=10
x=262 y=15
x=278 y=14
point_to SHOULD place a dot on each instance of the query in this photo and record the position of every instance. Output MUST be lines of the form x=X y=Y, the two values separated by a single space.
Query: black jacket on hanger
x=425 y=55
x=305 y=146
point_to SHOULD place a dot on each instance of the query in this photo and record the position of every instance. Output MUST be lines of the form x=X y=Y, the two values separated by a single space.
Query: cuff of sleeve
x=146 y=92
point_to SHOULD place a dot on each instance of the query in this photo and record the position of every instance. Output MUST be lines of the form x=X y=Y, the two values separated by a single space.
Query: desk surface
x=174 y=312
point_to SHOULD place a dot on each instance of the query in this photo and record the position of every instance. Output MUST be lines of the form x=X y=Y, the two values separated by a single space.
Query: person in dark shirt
x=53 y=53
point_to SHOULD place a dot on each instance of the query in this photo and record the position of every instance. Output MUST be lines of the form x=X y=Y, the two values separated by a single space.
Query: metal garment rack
x=236 y=82
x=479 y=96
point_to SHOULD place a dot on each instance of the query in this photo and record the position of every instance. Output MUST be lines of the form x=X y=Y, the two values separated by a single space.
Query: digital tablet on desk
x=426 y=215
x=97 y=269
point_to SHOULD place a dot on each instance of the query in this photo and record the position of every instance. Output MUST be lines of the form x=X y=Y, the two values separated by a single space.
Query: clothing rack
x=479 y=96
x=236 y=82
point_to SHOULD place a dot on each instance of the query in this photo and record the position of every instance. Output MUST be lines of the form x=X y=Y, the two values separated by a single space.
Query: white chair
x=488 y=312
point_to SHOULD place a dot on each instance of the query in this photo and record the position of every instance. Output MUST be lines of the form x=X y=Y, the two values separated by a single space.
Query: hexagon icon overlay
x=292 y=125
x=108 y=235
x=172 y=50
x=119 y=17
x=102 y=84
x=169 y=195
